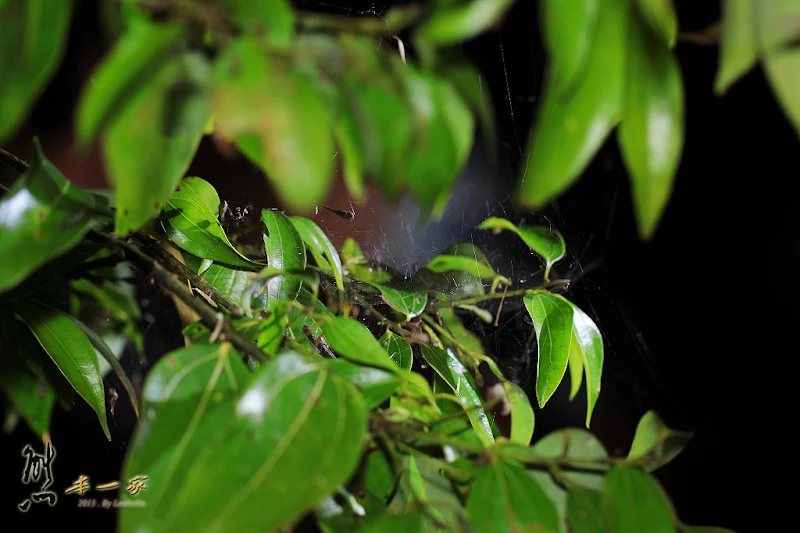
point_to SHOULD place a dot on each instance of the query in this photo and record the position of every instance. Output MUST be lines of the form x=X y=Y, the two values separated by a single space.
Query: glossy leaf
x=71 y=351
x=285 y=251
x=569 y=130
x=375 y=385
x=32 y=41
x=463 y=385
x=661 y=19
x=231 y=283
x=410 y=302
x=399 y=350
x=42 y=216
x=651 y=134
x=656 y=444
x=191 y=225
x=294 y=409
x=505 y=498
x=320 y=245
x=279 y=120
x=187 y=398
x=575 y=368
x=552 y=321
x=586 y=343
x=163 y=123
x=29 y=394
x=547 y=243
x=635 y=502
x=273 y=21
x=522 y=418
x=739 y=47
x=353 y=341
x=127 y=68
x=585 y=511
x=569 y=30
x=453 y=22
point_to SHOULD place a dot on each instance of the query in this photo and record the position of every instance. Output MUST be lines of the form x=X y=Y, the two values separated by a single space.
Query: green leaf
x=71 y=351
x=398 y=349
x=569 y=30
x=124 y=71
x=449 y=263
x=352 y=340
x=374 y=384
x=408 y=522
x=467 y=341
x=149 y=145
x=552 y=321
x=656 y=444
x=575 y=368
x=651 y=134
x=273 y=21
x=635 y=502
x=739 y=49
x=549 y=244
x=358 y=265
x=450 y=23
x=279 y=120
x=586 y=344
x=522 y=418
x=29 y=393
x=409 y=301
x=187 y=398
x=661 y=18
x=424 y=484
x=686 y=528
x=570 y=129
x=320 y=245
x=295 y=409
x=585 y=511
x=191 y=225
x=505 y=498
x=42 y=217
x=783 y=71
x=231 y=283
x=777 y=34
x=776 y=24
x=455 y=285
x=285 y=251
x=33 y=35
x=463 y=385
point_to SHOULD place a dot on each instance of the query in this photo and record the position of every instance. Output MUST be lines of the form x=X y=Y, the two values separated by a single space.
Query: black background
x=671 y=318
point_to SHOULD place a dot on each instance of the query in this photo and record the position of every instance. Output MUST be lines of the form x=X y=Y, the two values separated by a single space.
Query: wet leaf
x=569 y=30
x=569 y=130
x=125 y=70
x=552 y=319
x=399 y=350
x=656 y=444
x=739 y=49
x=285 y=251
x=71 y=351
x=295 y=408
x=463 y=385
x=353 y=341
x=661 y=19
x=453 y=22
x=635 y=502
x=187 y=398
x=192 y=225
x=549 y=244
x=505 y=498
x=33 y=36
x=320 y=246
x=278 y=118
x=585 y=511
x=651 y=134
x=152 y=140
x=522 y=418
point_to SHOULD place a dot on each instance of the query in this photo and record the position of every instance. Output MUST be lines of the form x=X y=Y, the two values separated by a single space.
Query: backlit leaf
x=656 y=444
x=549 y=244
x=739 y=49
x=320 y=245
x=285 y=251
x=635 y=502
x=586 y=343
x=399 y=350
x=552 y=320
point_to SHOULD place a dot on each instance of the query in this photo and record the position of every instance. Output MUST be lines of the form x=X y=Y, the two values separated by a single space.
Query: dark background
x=666 y=314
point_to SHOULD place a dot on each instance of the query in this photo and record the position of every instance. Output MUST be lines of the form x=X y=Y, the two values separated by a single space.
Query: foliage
x=314 y=379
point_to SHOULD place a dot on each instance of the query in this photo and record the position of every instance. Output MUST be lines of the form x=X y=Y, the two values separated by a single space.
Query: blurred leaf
x=777 y=32
x=635 y=502
x=783 y=71
x=569 y=130
x=407 y=300
x=187 y=399
x=71 y=351
x=191 y=225
x=285 y=251
x=42 y=217
x=271 y=329
x=398 y=349
x=29 y=393
x=279 y=120
x=549 y=244
x=586 y=345
x=407 y=522
x=274 y=20
x=655 y=444
x=374 y=384
x=661 y=18
x=522 y=418
x=150 y=143
x=776 y=24
x=585 y=511
x=453 y=22
x=463 y=385
x=449 y=263
x=552 y=320
x=122 y=73
x=739 y=49
x=33 y=36
x=685 y=528
x=505 y=498
x=320 y=245
x=458 y=284
x=294 y=409
x=651 y=134
x=359 y=266
x=569 y=30
x=422 y=483
x=352 y=340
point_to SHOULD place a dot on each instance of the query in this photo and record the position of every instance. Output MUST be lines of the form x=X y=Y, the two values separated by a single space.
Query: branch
x=555 y=284
x=13 y=161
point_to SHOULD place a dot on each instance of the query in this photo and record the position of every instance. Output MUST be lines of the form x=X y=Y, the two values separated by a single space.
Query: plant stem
x=509 y=294
x=13 y=161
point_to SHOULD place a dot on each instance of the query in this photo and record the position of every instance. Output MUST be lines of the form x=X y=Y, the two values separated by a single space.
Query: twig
x=18 y=164
x=319 y=343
